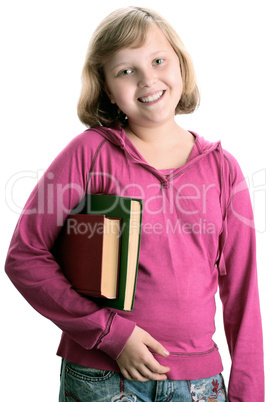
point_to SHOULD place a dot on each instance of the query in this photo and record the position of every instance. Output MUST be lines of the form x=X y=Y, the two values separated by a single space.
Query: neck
x=161 y=134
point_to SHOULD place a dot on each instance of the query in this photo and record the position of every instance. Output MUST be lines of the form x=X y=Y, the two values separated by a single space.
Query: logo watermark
x=257 y=189
x=188 y=200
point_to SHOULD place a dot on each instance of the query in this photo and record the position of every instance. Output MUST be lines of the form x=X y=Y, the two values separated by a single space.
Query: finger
x=154 y=366
x=133 y=375
x=126 y=374
x=157 y=368
x=136 y=375
x=150 y=375
x=156 y=346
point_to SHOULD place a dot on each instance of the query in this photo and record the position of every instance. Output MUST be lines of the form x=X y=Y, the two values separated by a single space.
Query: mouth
x=151 y=98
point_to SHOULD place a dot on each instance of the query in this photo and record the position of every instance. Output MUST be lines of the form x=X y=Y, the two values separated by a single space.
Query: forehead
x=154 y=36
x=155 y=42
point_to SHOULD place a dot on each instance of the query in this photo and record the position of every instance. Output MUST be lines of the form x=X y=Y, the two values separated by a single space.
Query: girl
x=197 y=232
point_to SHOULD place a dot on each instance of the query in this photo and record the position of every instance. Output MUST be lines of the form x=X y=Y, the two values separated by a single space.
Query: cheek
x=177 y=82
x=123 y=96
x=109 y=90
x=181 y=88
x=116 y=95
x=121 y=100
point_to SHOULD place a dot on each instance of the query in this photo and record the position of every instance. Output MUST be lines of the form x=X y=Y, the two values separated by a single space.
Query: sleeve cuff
x=118 y=333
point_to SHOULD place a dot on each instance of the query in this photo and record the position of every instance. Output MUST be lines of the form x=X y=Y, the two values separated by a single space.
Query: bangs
x=125 y=30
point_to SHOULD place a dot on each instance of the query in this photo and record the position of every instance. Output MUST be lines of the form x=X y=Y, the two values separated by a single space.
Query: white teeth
x=152 y=98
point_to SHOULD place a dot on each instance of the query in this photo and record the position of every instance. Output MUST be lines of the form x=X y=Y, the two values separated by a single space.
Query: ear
x=108 y=93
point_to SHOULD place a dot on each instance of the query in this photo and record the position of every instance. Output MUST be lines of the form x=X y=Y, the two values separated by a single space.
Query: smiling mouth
x=152 y=98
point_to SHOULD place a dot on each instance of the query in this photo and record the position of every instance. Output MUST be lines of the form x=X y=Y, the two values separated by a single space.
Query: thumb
x=156 y=347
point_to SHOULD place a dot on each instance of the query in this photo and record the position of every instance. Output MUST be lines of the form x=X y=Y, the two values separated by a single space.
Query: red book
x=88 y=250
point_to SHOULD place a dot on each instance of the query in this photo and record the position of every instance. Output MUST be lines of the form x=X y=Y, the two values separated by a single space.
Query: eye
x=126 y=72
x=157 y=62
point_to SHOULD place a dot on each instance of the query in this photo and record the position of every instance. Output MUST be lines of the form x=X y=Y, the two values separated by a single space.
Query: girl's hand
x=137 y=363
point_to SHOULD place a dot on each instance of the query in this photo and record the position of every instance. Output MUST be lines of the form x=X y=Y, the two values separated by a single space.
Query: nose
x=147 y=78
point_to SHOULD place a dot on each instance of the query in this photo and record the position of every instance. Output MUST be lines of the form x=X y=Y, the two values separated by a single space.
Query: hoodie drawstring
x=221 y=265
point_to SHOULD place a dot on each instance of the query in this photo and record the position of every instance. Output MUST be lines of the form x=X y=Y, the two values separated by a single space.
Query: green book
x=130 y=212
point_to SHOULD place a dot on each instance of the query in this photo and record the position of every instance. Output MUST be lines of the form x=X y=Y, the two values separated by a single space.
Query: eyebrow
x=119 y=64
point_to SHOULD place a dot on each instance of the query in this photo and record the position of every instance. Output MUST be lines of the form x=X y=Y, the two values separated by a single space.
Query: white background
x=43 y=46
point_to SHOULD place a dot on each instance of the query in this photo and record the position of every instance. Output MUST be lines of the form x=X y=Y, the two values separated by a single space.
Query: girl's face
x=145 y=82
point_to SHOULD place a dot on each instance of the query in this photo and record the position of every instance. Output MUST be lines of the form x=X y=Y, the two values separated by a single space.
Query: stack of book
x=98 y=249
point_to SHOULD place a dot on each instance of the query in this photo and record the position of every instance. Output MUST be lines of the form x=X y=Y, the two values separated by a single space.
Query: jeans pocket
x=83 y=384
x=86 y=373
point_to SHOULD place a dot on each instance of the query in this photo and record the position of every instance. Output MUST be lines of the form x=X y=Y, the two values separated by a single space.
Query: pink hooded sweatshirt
x=197 y=233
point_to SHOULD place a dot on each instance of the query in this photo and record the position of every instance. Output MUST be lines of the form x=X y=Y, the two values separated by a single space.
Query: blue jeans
x=82 y=384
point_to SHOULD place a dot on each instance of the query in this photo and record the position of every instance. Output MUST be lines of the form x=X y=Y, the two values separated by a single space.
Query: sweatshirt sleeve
x=240 y=298
x=33 y=270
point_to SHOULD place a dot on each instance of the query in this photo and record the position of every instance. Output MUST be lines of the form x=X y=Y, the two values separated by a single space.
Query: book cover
x=88 y=251
x=130 y=212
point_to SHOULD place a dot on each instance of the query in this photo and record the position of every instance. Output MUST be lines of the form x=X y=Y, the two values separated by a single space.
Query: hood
x=117 y=136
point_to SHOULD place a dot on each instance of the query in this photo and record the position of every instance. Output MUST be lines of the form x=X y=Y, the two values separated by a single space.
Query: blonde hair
x=123 y=28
